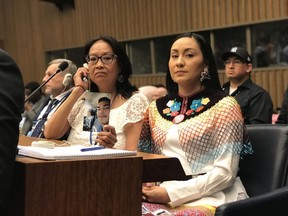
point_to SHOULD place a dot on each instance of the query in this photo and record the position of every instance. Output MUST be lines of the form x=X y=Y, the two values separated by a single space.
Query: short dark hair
x=32 y=86
x=124 y=88
x=208 y=57
x=106 y=99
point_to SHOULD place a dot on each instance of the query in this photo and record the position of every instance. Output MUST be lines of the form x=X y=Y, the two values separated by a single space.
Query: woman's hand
x=79 y=75
x=107 y=137
x=155 y=194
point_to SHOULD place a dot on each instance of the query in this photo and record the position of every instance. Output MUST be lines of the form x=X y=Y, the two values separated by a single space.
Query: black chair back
x=271 y=203
x=266 y=169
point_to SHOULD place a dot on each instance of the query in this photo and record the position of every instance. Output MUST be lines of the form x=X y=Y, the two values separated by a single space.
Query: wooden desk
x=86 y=187
x=156 y=168
x=80 y=187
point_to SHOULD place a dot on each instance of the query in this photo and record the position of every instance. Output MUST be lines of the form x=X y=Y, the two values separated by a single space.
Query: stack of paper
x=72 y=152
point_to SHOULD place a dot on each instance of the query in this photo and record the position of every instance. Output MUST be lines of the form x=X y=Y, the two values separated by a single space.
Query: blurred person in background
x=152 y=92
x=32 y=106
x=11 y=107
x=283 y=115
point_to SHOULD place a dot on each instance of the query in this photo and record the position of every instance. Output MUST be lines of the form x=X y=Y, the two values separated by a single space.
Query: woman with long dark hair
x=200 y=126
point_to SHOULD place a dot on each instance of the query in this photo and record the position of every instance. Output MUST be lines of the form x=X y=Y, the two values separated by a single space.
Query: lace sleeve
x=135 y=108
x=75 y=110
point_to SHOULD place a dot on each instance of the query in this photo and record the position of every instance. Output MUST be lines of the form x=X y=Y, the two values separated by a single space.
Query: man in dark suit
x=59 y=88
x=11 y=107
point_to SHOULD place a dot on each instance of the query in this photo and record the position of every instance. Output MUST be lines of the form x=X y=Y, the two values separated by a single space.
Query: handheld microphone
x=61 y=67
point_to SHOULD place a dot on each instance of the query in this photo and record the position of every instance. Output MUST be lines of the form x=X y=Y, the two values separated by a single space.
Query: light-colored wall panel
x=29 y=28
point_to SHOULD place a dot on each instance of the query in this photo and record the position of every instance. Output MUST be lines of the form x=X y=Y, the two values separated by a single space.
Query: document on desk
x=72 y=152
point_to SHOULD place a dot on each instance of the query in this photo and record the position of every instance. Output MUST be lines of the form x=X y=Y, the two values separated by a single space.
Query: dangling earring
x=205 y=74
x=120 y=78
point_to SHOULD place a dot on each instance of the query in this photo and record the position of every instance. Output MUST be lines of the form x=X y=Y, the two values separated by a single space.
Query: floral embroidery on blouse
x=174 y=106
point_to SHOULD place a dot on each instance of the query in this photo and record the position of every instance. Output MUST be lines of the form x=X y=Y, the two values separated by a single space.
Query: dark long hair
x=124 y=88
x=208 y=59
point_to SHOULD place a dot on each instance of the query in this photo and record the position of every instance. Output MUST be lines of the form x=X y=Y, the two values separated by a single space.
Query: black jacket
x=255 y=102
x=11 y=107
x=283 y=116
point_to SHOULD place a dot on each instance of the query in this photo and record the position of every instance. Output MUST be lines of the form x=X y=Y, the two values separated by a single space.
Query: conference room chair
x=264 y=174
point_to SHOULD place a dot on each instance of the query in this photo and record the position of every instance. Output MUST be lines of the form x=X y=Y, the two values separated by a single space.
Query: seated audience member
x=265 y=51
x=148 y=91
x=32 y=106
x=161 y=91
x=152 y=92
x=109 y=69
x=11 y=107
x=103 y=112
x=59 y=88
x=201 y=126
x=283 y=116
x=255 y=102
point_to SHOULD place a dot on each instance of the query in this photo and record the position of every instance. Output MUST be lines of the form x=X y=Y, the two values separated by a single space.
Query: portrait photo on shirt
x=98 y=113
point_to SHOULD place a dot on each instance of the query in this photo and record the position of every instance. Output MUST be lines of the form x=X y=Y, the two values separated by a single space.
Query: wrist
x=80 y=87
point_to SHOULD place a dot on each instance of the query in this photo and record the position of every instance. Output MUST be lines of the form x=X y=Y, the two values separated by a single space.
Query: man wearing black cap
x=255 y=102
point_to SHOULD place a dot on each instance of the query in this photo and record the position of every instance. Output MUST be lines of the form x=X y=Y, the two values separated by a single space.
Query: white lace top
x=130 y=112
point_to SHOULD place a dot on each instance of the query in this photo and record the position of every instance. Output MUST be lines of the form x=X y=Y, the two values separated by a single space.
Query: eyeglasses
x=234 y=61
x=105 y=59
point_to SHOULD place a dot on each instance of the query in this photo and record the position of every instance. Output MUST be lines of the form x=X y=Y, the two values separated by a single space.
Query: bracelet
x=81 y=87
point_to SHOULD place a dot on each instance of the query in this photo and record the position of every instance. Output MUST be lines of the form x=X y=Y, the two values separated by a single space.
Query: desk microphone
x=61 y=67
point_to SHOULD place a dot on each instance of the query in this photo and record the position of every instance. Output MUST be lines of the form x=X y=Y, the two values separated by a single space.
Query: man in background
x=283 y=115
x=11 y=107
x=255 y=102
x=59 y=88
x=152 y=92
x=31 y=106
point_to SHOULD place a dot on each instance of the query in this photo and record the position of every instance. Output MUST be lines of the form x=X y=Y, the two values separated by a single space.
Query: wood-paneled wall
x=29 y=28
x=275 y=81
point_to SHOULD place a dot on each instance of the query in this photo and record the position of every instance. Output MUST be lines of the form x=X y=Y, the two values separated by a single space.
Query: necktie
x=38 y=130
